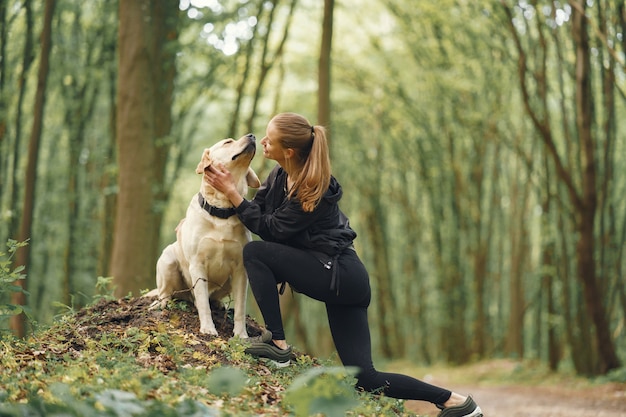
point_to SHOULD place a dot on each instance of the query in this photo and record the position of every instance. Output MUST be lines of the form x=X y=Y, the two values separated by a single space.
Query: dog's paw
x=210 y=330
x=240 y=331
x=158 y=304
x=242 y=335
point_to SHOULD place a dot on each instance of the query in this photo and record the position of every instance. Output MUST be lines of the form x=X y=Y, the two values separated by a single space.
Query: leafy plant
x=121 y=358
x=328 y=391
x=108 y=403
x=8 y=279
x=105 y=289
x=226 y=380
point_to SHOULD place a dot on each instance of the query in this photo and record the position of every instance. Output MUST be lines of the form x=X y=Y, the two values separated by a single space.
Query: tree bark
x=4 y=154
x=324 y=69
x=583 y=198
x=27 y=60
x=586 y=213
x=22 y=256
x=144 y=94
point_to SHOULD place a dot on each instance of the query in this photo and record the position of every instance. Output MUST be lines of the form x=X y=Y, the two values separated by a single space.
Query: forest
x=479 y=145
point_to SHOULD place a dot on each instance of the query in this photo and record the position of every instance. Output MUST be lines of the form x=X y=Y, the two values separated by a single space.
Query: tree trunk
x=324 y=78
x=108 y=180
x=27 y=60
x=144 y=94
x=4 y=154
x=23 y=254
x=519 y=250
x=267 y=62
x=587 y=210
x=583 y=198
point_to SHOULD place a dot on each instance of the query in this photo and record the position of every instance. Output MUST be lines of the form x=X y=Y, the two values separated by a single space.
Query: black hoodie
x=275 y=218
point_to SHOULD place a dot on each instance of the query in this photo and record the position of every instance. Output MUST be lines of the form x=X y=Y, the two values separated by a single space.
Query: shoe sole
x=264 y=350
x=476 y=413
x=279 y=364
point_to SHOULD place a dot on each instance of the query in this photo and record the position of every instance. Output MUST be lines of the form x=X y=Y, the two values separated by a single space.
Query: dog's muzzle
x=250 y=147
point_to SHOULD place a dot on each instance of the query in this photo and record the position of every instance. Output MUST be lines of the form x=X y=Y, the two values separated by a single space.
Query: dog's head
x=236 y=156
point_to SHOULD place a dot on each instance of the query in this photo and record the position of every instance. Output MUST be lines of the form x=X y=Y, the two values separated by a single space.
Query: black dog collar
x=222 y=213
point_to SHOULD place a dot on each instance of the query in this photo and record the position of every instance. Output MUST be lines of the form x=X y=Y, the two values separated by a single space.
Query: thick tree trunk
x=144 y=94
x=585 y=248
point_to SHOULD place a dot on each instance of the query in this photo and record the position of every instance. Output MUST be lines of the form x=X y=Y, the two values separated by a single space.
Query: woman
x=307 y=242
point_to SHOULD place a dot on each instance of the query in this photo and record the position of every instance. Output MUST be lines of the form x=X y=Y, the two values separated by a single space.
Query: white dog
x=206 y=261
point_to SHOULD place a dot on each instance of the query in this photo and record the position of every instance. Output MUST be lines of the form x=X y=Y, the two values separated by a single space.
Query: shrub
x=8 y=279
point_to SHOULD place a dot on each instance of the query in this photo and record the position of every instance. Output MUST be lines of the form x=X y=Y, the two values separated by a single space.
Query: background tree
x=147 y=34
x=576 y=163
x=465 y=220
x=324 y=68
x=23 y=254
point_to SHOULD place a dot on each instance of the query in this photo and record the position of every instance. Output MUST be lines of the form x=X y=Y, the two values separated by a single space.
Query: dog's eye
x=229 y=141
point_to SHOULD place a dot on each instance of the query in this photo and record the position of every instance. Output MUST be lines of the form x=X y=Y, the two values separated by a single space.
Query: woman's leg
x=350 y=330
x=269 y=264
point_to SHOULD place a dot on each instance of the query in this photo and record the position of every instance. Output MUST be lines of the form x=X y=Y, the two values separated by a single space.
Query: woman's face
x=271 y=147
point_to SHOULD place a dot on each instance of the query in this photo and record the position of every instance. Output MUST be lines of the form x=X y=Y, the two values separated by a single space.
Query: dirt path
x=539 y=401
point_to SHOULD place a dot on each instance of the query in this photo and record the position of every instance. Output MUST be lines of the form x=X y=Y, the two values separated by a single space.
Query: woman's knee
x=252 y=249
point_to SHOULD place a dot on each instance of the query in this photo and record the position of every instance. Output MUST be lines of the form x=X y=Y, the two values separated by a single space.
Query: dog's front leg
x=201 y=294
x=240 y=291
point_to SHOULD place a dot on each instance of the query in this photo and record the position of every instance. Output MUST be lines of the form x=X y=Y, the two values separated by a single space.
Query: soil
x=606 y=400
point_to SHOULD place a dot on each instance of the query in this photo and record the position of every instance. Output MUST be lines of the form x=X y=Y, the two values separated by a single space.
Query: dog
x=206 y=261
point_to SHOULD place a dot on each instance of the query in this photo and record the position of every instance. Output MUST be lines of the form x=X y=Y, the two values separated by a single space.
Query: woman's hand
x=219 y=178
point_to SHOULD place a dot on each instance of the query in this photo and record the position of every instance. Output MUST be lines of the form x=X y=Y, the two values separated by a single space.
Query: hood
x=334 y=192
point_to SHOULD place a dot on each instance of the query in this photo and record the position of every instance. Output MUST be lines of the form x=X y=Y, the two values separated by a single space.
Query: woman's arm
x=220 y=179
x=280 y=225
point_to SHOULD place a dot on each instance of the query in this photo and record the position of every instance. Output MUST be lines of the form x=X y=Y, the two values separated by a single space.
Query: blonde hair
x=312 y=169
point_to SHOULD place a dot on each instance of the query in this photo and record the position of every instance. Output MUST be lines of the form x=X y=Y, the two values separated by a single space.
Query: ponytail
x=312 y=155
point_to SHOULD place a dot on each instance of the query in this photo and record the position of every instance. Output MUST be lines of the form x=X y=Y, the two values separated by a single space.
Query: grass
x=117 y=358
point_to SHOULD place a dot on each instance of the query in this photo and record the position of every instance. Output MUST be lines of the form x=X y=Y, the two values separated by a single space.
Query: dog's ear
x=252 y=179
x=204 y=162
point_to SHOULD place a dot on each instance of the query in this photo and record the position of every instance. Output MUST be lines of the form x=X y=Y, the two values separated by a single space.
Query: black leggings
x=269 y=264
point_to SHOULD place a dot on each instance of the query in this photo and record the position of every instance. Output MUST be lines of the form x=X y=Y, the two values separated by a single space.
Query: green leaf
x=334 y=406
x=329 y=391
x=122 y=403
x=226 y=380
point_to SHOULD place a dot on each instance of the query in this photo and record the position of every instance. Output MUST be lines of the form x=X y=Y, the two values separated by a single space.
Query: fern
x=8 y=284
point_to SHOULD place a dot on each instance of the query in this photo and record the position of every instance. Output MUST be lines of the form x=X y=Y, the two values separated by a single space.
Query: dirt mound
x=112 y=315
x=128 y=322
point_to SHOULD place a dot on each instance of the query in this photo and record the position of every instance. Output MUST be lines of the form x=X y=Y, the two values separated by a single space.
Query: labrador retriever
x=206 y=261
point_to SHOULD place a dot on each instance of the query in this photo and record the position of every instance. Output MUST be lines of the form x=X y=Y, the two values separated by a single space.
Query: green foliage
x=118 y=358
x=616 y=375
x=107 y=403
x=226 y=380
x=105 y=289
x=327 y=391
x=8 y=279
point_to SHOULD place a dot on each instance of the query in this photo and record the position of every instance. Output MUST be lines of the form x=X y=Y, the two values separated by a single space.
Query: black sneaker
x=280 y=357
x=468 y=409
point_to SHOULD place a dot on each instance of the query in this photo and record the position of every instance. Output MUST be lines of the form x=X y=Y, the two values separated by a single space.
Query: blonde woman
x=307 y=243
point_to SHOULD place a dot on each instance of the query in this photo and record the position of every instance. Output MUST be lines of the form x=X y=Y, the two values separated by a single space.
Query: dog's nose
x=251 y=136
